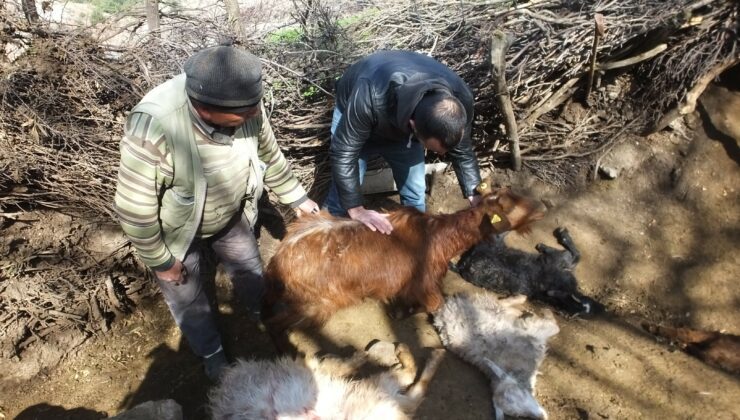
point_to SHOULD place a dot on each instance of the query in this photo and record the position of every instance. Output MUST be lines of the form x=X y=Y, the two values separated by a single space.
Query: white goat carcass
x=506 y=343
x=312 y=389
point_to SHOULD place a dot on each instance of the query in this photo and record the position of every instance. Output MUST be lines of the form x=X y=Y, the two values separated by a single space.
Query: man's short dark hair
x=442 y=116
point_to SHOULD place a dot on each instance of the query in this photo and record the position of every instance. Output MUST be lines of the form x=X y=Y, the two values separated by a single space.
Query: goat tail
x=416 y=392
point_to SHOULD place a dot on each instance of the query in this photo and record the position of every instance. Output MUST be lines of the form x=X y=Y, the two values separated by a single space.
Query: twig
x=633 y=60
x=110 y=254
x=299 y=75
x=558 y=97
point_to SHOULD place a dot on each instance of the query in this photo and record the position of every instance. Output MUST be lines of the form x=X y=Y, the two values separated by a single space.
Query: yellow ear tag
x=495 y=218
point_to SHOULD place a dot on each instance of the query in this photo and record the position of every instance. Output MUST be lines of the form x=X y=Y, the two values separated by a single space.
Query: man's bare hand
x=307 y=207
x=175 y=274
x=372 y=219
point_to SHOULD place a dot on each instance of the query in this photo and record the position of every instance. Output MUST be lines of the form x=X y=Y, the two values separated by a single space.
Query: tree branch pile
x=65 y=95
x=63 y=105
x=52 y=290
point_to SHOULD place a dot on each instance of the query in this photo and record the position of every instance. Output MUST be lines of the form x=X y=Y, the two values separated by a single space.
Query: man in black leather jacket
x=395 y=104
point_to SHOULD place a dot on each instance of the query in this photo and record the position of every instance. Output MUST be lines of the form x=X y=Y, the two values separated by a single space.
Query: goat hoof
x=399 y=312
x=562 y=235
x=382 y=353
x=560 y=231
x=403 y=353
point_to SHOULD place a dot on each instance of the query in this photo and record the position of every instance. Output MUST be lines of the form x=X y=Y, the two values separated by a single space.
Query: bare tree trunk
x=152 y=15
x=29 y=9
x=499 y=44
x=235 y=20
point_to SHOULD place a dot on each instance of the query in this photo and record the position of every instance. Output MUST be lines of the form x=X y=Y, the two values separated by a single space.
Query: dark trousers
x=236 y=248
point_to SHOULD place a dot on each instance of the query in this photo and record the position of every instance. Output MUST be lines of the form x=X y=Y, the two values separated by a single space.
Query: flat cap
x=224 y=76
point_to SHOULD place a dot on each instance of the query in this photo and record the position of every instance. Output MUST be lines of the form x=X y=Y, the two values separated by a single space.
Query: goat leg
x=566 y=241
x=397 y=310
x=342 y=367
x=408 y=364
x=281 y=340
x=548 y=253
x=277 y=320
x=416 y=392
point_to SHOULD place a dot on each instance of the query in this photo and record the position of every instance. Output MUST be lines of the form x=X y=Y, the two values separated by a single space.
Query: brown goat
x=717 y=349
x=326 y=263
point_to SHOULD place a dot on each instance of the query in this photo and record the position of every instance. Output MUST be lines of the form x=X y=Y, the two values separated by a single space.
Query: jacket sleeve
x=143 y=156
x=463 y=157
x=350 y=135
x=278 y=175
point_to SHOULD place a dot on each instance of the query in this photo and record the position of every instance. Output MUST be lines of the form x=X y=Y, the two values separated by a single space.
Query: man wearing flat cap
x=195 y=156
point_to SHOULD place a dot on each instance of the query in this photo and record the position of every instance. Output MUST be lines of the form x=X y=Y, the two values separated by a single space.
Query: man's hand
x=372 y=219
x=307 y=207
x=474 y=200
x=175 y=274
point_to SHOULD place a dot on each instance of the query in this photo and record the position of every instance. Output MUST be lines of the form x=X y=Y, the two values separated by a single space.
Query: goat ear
x=498 y=413
x=526 y=212
x=500 y=222
x=496 y=372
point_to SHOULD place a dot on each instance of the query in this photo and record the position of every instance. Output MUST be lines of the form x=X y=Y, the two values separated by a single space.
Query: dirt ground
x=661 y=242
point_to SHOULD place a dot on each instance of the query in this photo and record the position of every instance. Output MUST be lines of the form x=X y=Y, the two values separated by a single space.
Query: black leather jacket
x=377 y=96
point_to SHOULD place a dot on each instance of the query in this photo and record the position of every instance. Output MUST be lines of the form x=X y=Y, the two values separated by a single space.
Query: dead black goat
x=546 y=276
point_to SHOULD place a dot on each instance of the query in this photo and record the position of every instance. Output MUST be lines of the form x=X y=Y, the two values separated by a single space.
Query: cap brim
x=228 y=109
x=238 y=110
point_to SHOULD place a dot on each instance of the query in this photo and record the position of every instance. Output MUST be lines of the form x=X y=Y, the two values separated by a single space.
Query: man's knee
x=415 y=202
x=413 y=190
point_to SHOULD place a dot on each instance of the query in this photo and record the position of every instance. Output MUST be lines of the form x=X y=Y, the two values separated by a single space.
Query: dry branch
x=688 y=105
x=68 y=160
x=599 y=32
x=499 y=44
x=633 y=60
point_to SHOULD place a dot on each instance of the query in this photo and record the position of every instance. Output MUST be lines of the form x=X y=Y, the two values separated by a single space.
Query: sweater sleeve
x=278 y=175
x=142 y=167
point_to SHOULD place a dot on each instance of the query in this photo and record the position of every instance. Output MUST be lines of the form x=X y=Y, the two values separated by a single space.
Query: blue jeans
x=406 y=160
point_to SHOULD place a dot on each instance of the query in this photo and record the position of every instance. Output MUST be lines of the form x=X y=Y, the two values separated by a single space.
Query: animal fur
x=313 y=389
x=545 y=276
x=715 y=348
x=503 y=341
x=327 y=263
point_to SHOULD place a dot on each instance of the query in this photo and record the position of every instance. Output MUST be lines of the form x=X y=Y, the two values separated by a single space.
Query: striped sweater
x=146 y=168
